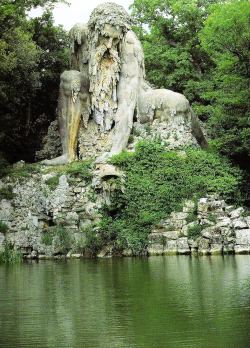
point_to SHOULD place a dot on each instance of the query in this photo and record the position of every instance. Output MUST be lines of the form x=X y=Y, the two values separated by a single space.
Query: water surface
x=171 y=301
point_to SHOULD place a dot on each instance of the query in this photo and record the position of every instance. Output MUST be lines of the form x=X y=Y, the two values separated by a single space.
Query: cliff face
x=42 y=204
x=50 y=214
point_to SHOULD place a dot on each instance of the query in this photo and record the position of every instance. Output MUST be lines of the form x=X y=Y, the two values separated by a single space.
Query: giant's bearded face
x=104 y=68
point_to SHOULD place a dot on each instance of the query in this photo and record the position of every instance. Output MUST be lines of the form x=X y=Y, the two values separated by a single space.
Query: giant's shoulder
x=131 y=38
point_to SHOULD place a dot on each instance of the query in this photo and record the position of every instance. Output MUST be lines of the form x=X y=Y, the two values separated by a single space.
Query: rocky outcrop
x=51 y=143
x=51 y=213
x=215 y=228
x=45 y=221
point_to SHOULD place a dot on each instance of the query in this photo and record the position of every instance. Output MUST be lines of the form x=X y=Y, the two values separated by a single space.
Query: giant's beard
x=104 y=75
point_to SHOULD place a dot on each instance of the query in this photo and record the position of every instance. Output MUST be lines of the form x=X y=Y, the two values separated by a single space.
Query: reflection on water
x=172 y=301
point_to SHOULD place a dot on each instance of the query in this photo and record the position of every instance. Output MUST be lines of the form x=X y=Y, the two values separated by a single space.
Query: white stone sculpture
x=106 y=88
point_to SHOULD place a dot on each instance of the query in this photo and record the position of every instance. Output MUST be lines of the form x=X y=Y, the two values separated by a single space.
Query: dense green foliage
x=157 y=182
x=8 y=255
x=6 y=193
x=32 y=56
x=3 y=227
x=226 y=38
x=201 y=49
x=58 y=235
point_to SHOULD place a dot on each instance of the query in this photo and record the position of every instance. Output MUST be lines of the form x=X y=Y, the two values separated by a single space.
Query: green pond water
x=171 y=301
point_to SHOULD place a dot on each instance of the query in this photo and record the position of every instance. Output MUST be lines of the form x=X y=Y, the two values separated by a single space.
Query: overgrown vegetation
x=47 y=238
x=60 y=236
x=157 y=182
x=3 y=227
x=21 y=173
x=53 y=182
x=33 y=54
x=8 y=255
x=194 y=231
x=6 y=193
x=202 y=50
x=80 y=170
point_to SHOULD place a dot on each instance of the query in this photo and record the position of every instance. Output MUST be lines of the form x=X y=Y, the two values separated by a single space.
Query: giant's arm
x=127 y=91
x=73 y=101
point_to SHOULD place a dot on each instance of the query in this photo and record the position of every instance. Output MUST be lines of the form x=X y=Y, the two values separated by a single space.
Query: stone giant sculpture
x=105 y=91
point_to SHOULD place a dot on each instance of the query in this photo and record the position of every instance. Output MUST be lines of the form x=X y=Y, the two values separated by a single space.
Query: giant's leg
x=73 y=99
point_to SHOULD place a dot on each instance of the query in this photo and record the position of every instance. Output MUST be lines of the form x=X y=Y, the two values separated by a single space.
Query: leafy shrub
x=47 y=238
x=63 y=239
x=3 y=227
x=81 y=169
x=194 y=231
x=9 y=255
x=170 y=227
x=157 y=181
x=191 y=217
x=6 y=193
x=212 y=218
x=53 y=182
x=3 y=166
x=21 y=173
x=136 y=132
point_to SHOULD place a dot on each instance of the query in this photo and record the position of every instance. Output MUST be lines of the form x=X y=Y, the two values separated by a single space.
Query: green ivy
x=157 y=182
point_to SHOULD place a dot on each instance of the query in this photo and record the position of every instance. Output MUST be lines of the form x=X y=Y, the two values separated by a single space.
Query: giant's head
x=107 y=25
x=109 y=15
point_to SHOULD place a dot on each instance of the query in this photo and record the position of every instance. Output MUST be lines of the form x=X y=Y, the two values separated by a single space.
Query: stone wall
x=37 y=210
x=64 y=212
x=216 y=228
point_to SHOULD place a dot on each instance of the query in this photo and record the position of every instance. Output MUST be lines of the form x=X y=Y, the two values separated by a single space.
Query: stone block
x=224 y=222
x=229 y=209
x=155 y=249
x=243 y=237
x=228 y=248
x=188 y=206
x=203 y=245
x=217 y=239
x=239 y=224
x=206 y=234
x=248 y=221
x=171 y=234
x=2 y=238
x=183 y=246
x=235 y=214
x=155 y=238
x=178 y=215
x=6 y=211
x=216 y=248
x=242 y=249
x=170 y=246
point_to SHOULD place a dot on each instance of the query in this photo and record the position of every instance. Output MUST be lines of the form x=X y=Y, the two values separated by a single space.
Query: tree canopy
x=32 y=56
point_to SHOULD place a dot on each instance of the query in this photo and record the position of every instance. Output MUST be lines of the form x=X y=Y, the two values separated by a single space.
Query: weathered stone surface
x=178 y=215
x=19 y=164
x=171 y=234
x=2 y=239
x=239 y=223
x=170 y=246
x=216 y=248
x=204 y=245
x=224 y=222
x=155 y=249
x=236 y=213
x=183 y=246
x=242 y=249
x=6 y=211
x=188 y=206
x=155 y=238
x=248 y=221
x=243 y=237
